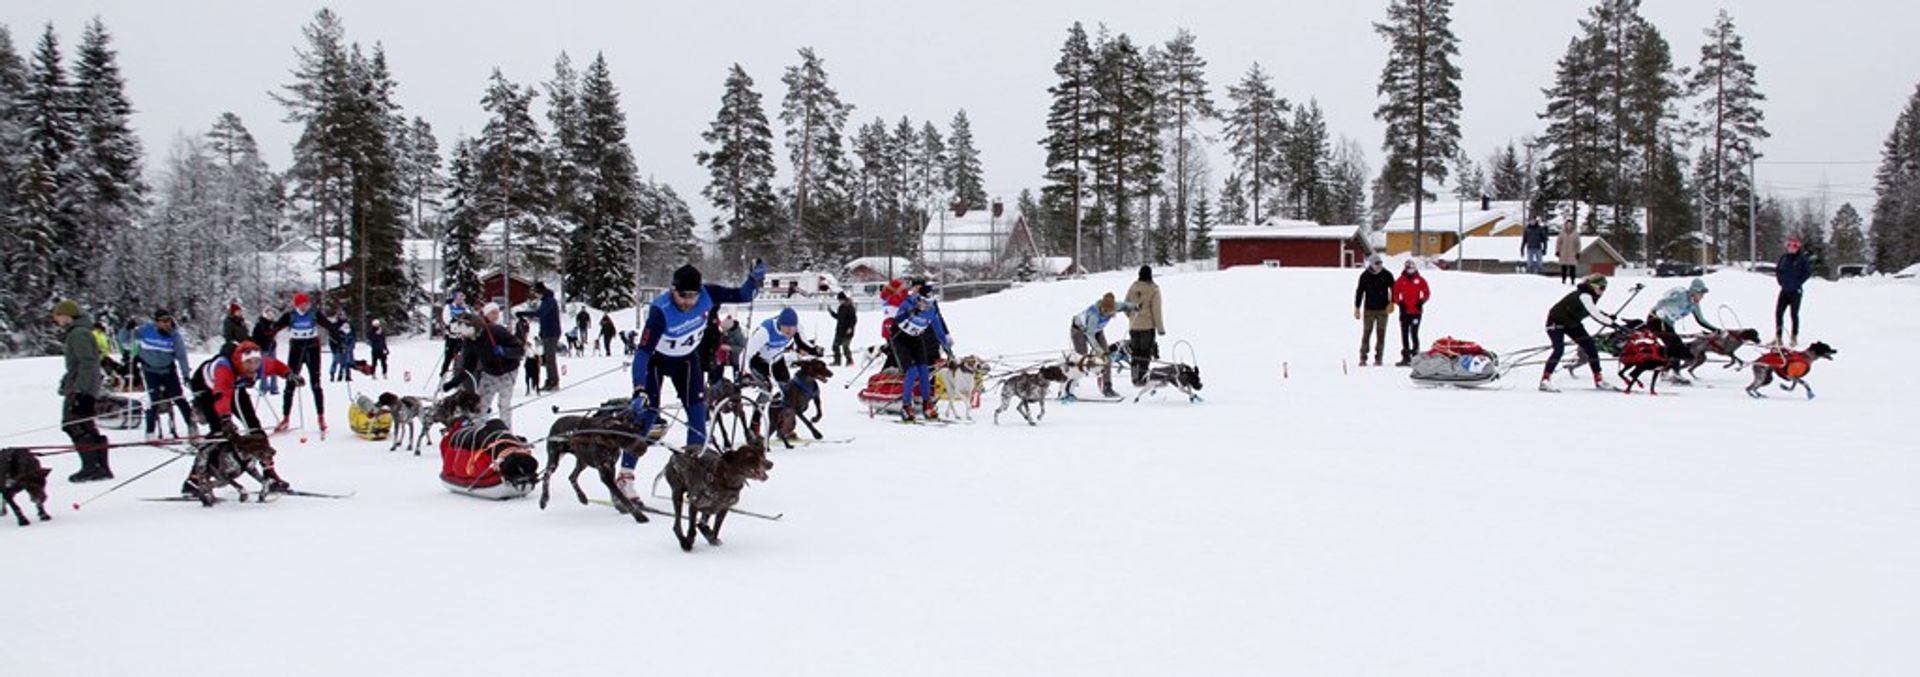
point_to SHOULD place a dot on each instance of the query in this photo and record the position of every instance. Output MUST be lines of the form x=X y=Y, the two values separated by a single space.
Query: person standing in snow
x=670 y=337
x=916 y=327
x=489 y=363
x=1410 y=295
x=549 y=316
x=1145 y=326
x=1089 y=337
x=81 y=389
x=891 y=296
x=129 y=339
x=303 y=325
x=844 y=318
x=582 y=332
x=607 y=331
x=1792 y=272
x=340 y=341
x=234 y=329
x=1567 y=248
x=262 y=337
x=1372 y=303
x=164 y=366
x=1533 y=245
x=1567 y=319
x=377 y=344
x=456 y=307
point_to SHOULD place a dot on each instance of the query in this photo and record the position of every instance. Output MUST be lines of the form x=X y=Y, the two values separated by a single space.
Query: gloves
x=295 y=380
x=1389 y=309
x=639 y=404
x=1163 y=332
x=1356 y=312
x=759 y=273
x=499 y=351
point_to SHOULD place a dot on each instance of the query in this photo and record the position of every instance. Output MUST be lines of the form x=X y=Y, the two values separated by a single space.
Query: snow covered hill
x=1308 y=518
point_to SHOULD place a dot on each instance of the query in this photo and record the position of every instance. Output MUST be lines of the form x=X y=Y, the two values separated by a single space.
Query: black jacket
x=263 y=332
x=1375 y=291
x=844 y=318
x=480 y=354
x=234 y=330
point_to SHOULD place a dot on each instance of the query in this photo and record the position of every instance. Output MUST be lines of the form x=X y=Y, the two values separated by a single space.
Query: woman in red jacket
x=1410 y=293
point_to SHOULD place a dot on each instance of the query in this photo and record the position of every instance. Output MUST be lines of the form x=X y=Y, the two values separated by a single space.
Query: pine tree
x=47 y=221
x=107 y=159
x=1734 y=124
x=1069 y=146
x=565 y=176
x=815 y=118
x=510 y=163
x=963 y=163
x=1307 y=155
x=609 y=215
x=1188 y=104
x=1126 y=148
x=320 y=101
x=1348 y=195
x=16 y=294
x=1420 y=106
x=1670 y=208
x=1506 y=176
x=1256 y=135
x=1896 y=208
x=380 y=284
x=1469 y=181
x=1849 y=243
x=460 y=247
x=1234 y=207
x=420 y=177
x=1201 y=246
x=740 y=166
x=247 y=199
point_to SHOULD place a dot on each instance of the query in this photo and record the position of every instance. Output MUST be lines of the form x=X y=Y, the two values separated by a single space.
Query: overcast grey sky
x=1836 y=72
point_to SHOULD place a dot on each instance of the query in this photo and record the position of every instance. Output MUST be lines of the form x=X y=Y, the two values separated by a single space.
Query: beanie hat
x=1106 y=304
x=1699 y=286
x=1146 y=273
x=301 y=299
x=161 y=314
x=686 y=278
x=233 y=307
x=787 y=318
x=67 y=307
x=241 y=349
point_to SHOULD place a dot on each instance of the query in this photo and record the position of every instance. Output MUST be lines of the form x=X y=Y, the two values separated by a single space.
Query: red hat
x=241 y=349
x=233 y=307
x=301 y=299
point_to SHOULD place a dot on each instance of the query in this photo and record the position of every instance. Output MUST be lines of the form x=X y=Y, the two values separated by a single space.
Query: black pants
x=76 y=419
x=1145 y=348
x=1409 y=335
x=1788 y=301
x=379 y=364
x=606 y=343
x=776 y=373
x=304 y=352
x=1676 y=347
x=449 y=354
x=1558 y=336
x=163 y=389
x=842 y=348
x=1566 y=273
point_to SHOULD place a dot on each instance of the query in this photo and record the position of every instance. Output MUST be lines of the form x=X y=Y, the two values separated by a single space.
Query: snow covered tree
x=46 y=220
x=1187 y=104
x=1201 y=246
x=1506 y=175
x=1347 y=197
x=1849 y=242
x=1126 y=143
x=110 y=195
x=1069 y=145
x=1256 y=135
x=1420 y=101
x=379 y=284
x=247 y=203
x=963 y=162
x=17 y=293
x=420 y=177
x=1896 y=208
x=511 y=164
x=460 y=253
x=1233 y=201
x=1733 y=124
x=607 y=212
x=740 y=166
x=815 y=119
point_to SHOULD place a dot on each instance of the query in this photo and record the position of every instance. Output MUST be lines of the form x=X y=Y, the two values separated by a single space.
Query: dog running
x=1029 y=388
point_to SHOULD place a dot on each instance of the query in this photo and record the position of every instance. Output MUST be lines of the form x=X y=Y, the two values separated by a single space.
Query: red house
x=515 y=290
x=1291 y=244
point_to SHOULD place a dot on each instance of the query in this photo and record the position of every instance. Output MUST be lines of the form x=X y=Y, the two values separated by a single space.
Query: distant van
x=804 y=284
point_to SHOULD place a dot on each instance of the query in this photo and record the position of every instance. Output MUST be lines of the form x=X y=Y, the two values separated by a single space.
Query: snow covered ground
x=1306 y=519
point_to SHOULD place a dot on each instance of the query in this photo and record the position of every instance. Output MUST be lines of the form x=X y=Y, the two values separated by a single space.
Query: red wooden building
x=1291 y=244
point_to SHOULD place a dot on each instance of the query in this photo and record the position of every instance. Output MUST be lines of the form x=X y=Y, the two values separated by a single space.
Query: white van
x=801 y=285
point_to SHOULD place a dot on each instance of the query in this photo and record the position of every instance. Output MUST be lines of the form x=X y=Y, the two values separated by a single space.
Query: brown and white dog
x=1029 y=388
x=1725 y=342
x=412 y=418
x=21 y=471
x=1789 y=365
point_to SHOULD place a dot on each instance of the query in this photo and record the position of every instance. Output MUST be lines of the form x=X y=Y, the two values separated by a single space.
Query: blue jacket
x=676 y=333
x=1792 y=271
x=1677 y=304
x=161 y=352
x=549 y=314
x=1091 y=322
x=911 y=321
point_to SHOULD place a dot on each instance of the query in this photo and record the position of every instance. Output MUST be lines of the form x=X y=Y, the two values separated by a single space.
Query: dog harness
x=1643 y=348
x=1787 y=364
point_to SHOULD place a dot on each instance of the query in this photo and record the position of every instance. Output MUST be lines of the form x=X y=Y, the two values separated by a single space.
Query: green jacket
x=82 y=352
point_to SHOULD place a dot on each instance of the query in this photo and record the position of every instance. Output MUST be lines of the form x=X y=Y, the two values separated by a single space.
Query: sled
x=468 y=463
x=883 y=391
x=1453 y=362
x=118 y=412
x=367 y=427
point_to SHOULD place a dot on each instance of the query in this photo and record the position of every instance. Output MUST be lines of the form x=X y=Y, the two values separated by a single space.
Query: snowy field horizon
x=1309 y=517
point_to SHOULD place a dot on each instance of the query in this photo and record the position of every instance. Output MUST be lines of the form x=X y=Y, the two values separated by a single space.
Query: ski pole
x=57 y=449
x=575 y=384
x=176 y=456
x=863 y=369
x=89 y=419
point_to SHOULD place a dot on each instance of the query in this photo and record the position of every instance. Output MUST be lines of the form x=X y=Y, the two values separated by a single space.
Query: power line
x=1818 y=162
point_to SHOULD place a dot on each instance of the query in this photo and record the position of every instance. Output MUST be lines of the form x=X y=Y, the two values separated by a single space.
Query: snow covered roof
x=1449 y=216
x=978 y=238
x=879 y=263
x=1285 y=230
x=1052 y=265
x=1507 y=249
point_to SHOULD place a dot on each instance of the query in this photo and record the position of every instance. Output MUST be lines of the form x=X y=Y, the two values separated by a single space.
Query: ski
x=643 y=507
x=801 y=442
x=749 y=513
x=180 y=499
x=312 y=494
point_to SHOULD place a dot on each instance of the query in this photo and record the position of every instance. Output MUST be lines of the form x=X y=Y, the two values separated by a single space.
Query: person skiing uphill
x=220 y=396
x=1089 y=337
x=1567 y=319
x=670 y=339
x=303 y=325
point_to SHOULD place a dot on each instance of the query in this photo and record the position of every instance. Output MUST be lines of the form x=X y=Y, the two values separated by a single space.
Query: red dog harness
x=1643 y=348
x=1787 y=364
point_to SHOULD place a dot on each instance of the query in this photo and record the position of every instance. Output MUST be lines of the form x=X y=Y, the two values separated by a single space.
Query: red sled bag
x=487 y=461
x=1452 y=347
x=882 y=394
x=1643 y=348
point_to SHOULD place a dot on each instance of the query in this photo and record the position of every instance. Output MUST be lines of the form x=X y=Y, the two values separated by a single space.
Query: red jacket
x=891 y=296
x=221 y=378
x=1410 y=293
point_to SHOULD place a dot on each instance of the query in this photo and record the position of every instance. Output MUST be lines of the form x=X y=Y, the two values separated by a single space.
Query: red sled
x=471 y=459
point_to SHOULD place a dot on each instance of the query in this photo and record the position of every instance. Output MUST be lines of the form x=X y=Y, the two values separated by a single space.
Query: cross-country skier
x=220 y=396
x=777 y=335
x=163 y=363
x=919 y=334
x=1664 y=320
x=303 y=325
x=1089 y=337
x=670 y=339
x=1566 y=319
x=456 y=307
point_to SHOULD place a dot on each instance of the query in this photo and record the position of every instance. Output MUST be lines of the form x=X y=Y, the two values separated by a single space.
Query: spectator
x=1410 y=294
x=1372 y=303
x=1144 y=325
x=1792 y=272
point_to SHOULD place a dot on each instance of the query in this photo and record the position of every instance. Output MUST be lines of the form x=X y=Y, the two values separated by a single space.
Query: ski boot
x=285 y=424
x=1602 y=384
x=322 y=418
x=276 y=484
x=932 y=412
x=1547 y=386
x=624 y=483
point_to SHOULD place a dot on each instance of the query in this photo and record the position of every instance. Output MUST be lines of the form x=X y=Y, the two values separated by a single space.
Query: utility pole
x=1753 y=211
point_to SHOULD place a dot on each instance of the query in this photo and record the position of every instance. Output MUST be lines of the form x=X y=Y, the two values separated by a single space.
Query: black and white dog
x=412 y=418
x=1182 y=377
x=1028 y=388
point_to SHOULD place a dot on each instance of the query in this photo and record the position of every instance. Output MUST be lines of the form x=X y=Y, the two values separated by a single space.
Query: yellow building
x=1444 y=224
